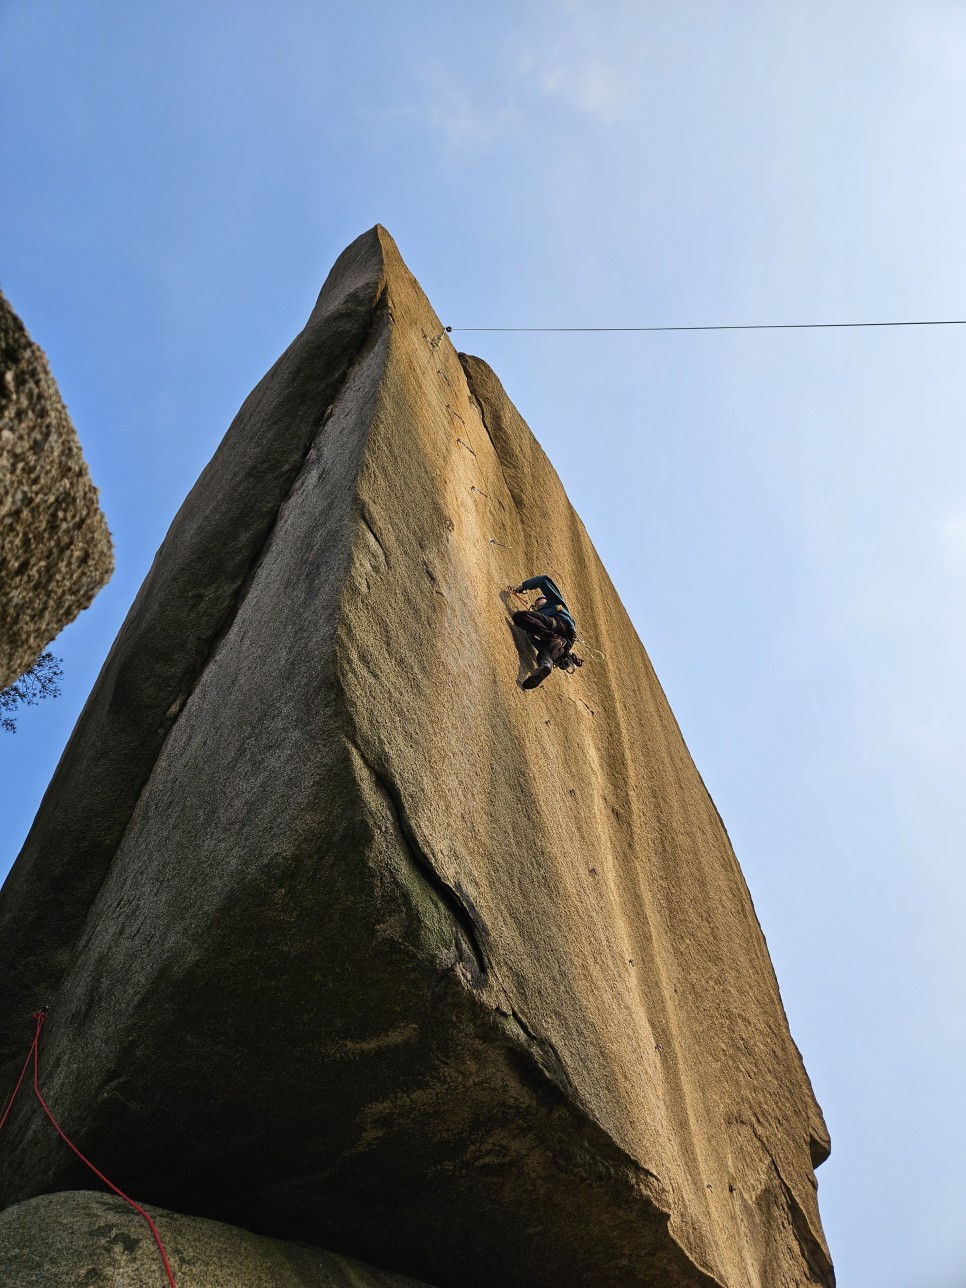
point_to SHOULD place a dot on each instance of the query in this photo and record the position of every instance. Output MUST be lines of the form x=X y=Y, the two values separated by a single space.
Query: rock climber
x=550 y=628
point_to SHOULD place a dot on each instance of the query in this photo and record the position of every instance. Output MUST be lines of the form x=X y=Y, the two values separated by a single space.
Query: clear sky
x=784 y=513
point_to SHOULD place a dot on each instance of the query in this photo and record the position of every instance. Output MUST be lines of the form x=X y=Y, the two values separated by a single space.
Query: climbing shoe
x=538 y=676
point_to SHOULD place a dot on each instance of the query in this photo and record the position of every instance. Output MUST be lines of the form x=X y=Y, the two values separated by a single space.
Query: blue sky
x=784 y=513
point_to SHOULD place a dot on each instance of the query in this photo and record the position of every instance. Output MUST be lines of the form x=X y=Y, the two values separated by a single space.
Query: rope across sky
x=746 y=326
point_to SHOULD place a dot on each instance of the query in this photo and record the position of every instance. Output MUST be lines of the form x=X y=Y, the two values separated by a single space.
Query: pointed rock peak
x=366 y=269
x=471 y=968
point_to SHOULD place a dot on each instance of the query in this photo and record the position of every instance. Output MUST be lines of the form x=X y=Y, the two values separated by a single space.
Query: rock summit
x=348 y=939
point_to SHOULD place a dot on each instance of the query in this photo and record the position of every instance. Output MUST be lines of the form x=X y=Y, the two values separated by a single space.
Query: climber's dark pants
x=538 y=628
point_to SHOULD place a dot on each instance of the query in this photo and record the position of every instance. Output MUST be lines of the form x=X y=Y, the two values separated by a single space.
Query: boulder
x=55 y=549
x=63 y=1240
x=349 y=939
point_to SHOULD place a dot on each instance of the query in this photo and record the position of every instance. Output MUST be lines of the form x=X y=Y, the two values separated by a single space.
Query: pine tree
x=30 y=688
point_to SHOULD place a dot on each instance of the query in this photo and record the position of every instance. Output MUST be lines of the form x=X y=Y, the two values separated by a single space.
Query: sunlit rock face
x=347 y=937
x=55 y=549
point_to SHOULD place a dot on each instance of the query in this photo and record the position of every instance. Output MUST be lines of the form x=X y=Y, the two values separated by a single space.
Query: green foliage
x=32 y=687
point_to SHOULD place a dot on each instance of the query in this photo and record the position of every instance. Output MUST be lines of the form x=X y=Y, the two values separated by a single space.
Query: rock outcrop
x=55 y=549
x=347 y=938
x=98 y=1241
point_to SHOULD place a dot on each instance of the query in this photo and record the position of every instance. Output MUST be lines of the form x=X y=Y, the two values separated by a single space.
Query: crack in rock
x=468 y=925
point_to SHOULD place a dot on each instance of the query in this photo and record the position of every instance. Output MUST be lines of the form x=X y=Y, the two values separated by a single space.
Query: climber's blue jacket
x=555 y=606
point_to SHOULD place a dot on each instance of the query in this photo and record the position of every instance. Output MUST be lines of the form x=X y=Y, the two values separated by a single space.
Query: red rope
x=40 y=1017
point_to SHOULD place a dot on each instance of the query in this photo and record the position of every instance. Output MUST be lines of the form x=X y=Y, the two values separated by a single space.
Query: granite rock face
x=55 y=549
x=350 y=940
x=68 y=1239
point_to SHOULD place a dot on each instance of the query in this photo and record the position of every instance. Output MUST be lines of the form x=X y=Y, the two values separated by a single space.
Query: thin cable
x=748 y=326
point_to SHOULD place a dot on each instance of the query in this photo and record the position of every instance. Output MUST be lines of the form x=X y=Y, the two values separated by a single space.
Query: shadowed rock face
x=55 y=549
x=349 y=939
x=97 y=1240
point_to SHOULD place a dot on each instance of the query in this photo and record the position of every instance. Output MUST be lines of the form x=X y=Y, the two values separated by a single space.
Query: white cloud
x=593 y=87
x=953 y=533
x=935 y=36
x=438 y=101
x=467 y=125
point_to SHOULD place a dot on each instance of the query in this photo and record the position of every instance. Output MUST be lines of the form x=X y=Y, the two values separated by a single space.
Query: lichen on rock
x=55 y=549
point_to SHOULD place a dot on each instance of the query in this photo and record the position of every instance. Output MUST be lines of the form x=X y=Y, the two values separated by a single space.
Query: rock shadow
x=525 y=652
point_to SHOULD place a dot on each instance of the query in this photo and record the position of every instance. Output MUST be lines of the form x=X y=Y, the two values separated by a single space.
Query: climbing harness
x=33 y=1054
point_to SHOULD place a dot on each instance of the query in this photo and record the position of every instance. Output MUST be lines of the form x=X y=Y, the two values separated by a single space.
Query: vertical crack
x=468 y=925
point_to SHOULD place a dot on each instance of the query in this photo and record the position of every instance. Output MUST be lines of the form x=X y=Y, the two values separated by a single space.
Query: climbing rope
x=589 y=648
x=33 y=1054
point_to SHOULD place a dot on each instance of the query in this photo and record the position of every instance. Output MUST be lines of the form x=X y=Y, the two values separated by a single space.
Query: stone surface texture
x=55 y=549
x=347 y=938
x=85 y=1240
